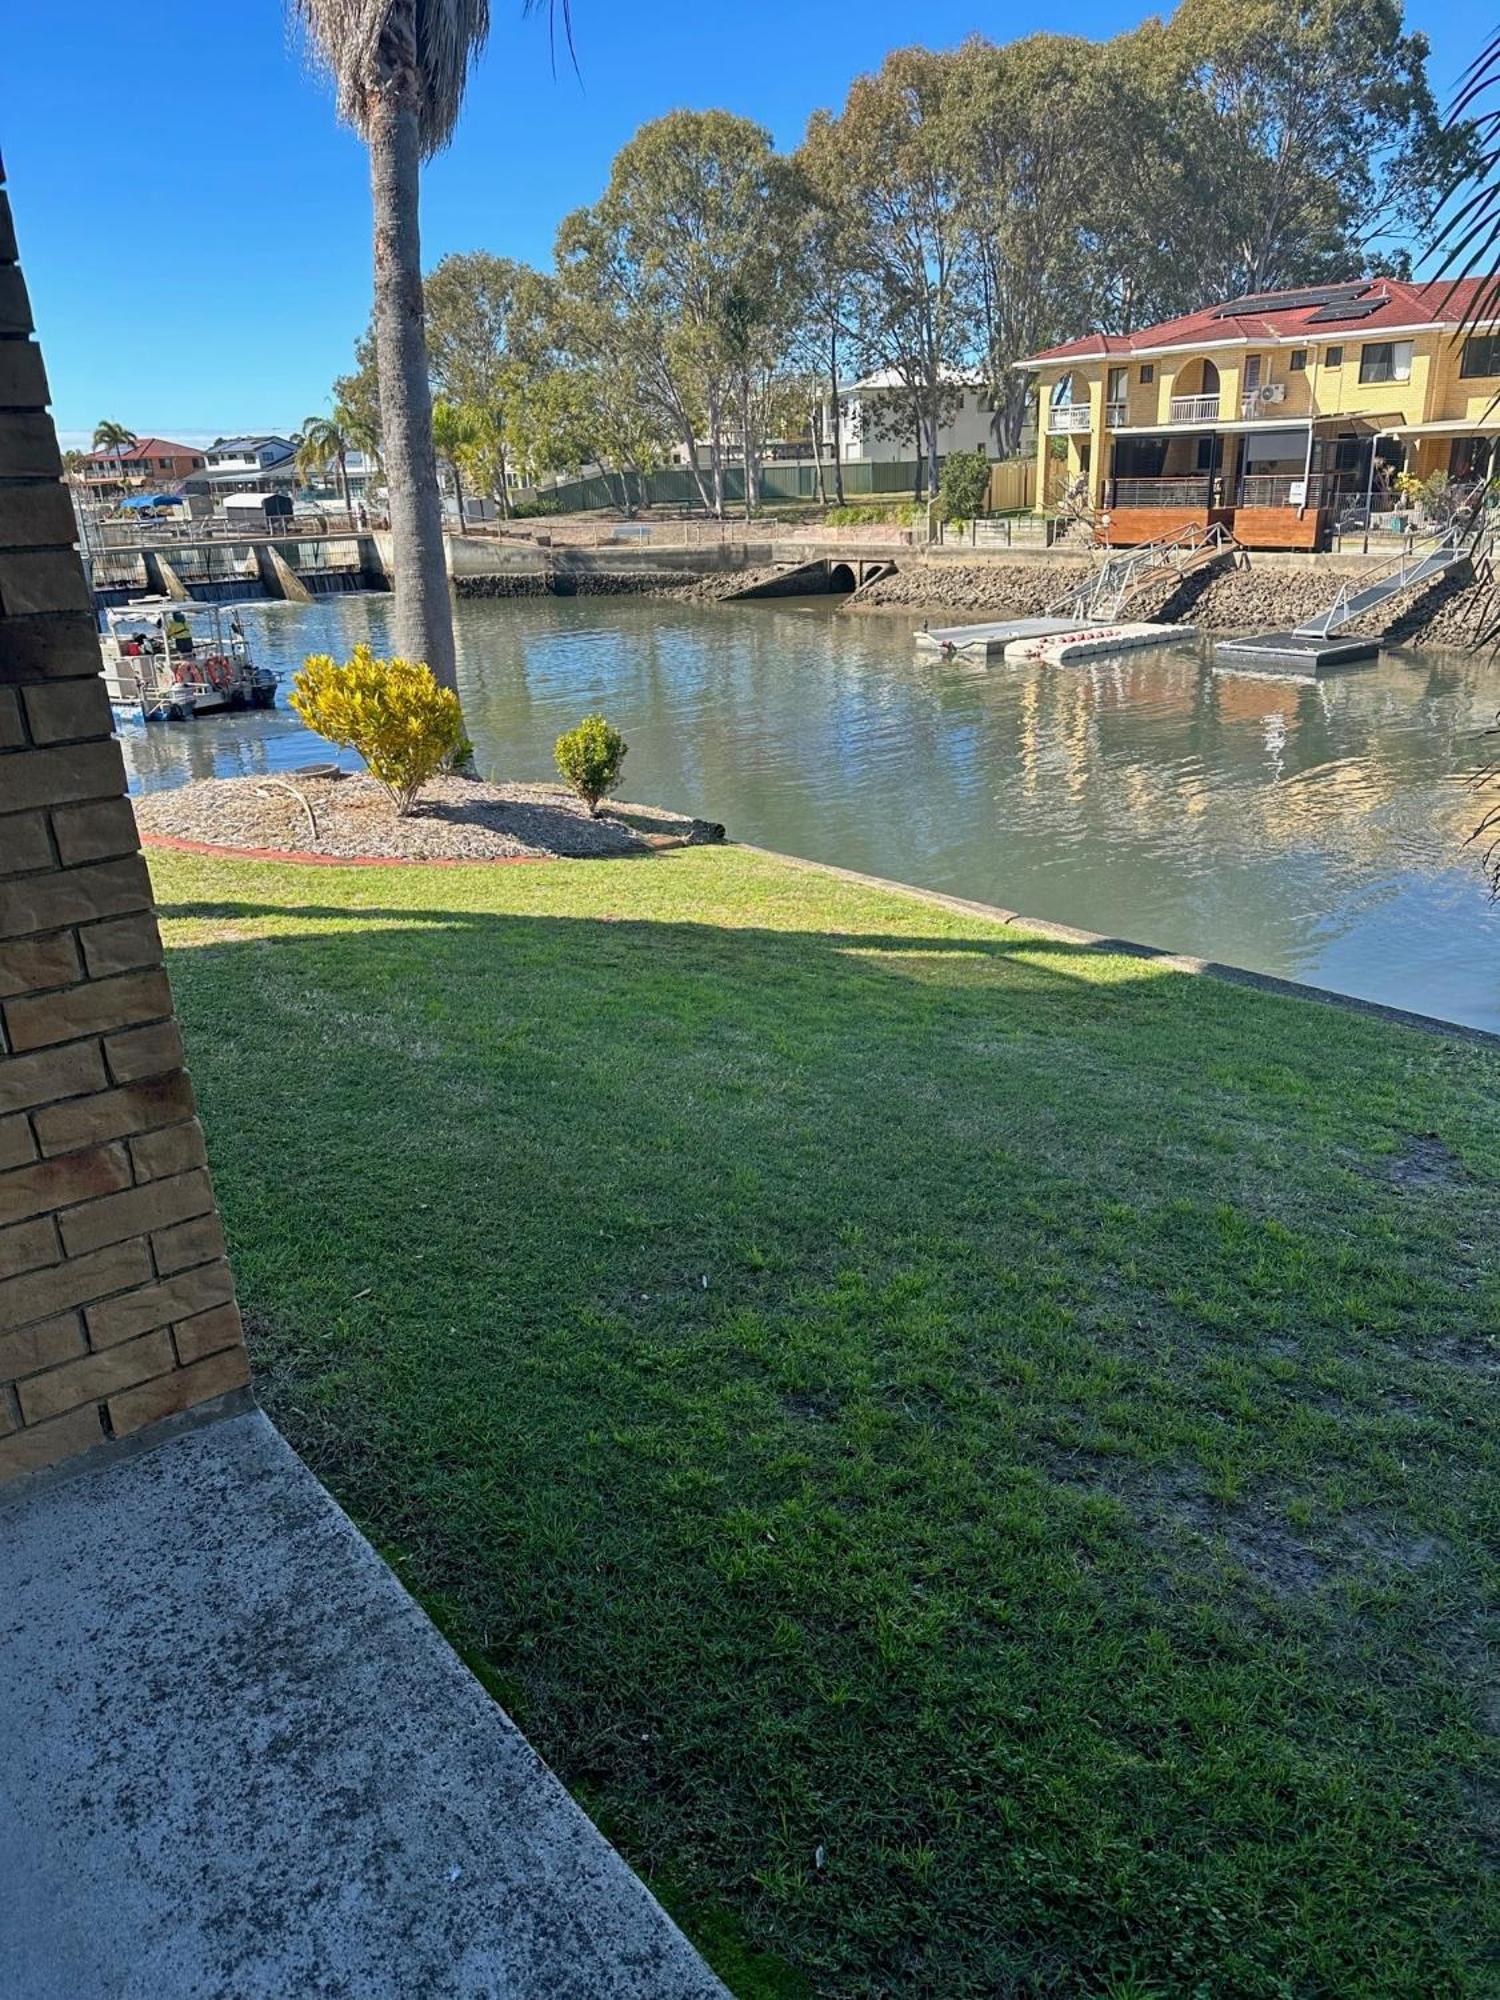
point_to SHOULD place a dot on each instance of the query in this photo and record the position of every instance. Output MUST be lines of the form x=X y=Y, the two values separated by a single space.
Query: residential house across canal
x=1282 y=415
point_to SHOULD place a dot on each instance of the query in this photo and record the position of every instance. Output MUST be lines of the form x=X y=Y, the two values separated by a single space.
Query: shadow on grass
x=845 y=1383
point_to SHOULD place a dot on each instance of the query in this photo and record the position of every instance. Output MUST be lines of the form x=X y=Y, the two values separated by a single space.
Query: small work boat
x=168 y=660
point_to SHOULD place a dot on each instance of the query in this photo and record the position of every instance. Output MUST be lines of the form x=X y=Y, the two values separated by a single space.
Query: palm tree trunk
x=344 y=482
x=423 y=614
x=458 y=492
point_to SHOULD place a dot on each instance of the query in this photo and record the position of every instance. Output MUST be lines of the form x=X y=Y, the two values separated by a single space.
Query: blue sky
x=195 y=226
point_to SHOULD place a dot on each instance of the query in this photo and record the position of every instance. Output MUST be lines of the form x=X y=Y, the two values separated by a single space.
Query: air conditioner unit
x=1273 y=392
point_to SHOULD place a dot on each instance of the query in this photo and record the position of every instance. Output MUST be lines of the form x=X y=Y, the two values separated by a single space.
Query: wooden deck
x=1252 y=527
x=1279 y=527
x=1129 y=526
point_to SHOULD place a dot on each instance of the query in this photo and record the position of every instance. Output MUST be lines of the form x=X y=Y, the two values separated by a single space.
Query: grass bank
x=974 y=1458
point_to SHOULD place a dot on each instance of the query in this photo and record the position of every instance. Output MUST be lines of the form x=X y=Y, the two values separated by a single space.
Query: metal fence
x=1020 y=531
x=158 y=533
x=1160 y=492
x=676 y=487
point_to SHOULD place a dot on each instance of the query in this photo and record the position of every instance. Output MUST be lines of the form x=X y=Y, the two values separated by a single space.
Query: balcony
x=1068 y=417
x=1194 y=491
x=1194 y=409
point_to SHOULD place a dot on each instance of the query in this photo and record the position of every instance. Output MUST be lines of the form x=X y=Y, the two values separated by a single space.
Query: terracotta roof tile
x=1402 y=303
x=145 y=448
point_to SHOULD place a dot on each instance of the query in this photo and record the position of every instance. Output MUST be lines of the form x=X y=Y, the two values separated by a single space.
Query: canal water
x=1311 y=830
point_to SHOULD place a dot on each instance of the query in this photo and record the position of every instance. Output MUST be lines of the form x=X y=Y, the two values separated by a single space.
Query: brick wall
x=116 y=1305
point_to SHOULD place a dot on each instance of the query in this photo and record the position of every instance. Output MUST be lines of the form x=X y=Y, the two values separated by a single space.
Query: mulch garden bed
x=350 y=817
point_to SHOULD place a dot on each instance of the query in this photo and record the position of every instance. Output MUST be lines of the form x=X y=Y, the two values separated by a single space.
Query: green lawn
x=975 y=1459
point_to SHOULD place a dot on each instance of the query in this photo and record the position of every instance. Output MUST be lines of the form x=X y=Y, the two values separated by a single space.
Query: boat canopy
x=142 y=502
x=149 y=614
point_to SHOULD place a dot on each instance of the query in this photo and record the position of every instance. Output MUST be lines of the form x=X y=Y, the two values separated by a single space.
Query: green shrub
x=392 y=712
x=589 y=758
x=965 y=483
x=900 y=513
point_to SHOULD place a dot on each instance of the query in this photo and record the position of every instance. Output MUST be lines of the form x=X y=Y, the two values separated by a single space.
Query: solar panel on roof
x=1349 y=309
x=1273 y=302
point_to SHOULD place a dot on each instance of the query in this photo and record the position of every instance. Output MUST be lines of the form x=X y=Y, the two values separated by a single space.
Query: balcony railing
x=1194 y=409
x=1068 y=417
x=1290 y=489
x=1256 y=489
x=1116 y=414
x=1194 y=492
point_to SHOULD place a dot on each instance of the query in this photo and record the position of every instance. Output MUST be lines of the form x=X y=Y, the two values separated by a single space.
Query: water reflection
x=1313 y=830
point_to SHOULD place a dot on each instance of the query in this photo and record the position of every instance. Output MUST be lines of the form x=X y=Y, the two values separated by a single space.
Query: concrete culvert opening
x=841 y=578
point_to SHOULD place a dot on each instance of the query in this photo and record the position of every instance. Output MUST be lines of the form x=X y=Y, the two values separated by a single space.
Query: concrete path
x=239 y=1764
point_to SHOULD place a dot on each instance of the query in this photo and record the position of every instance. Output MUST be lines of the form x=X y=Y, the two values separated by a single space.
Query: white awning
x=1213 y=424
x=1488 y=426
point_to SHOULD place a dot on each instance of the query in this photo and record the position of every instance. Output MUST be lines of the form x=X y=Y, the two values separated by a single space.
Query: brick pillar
x=116 y=1305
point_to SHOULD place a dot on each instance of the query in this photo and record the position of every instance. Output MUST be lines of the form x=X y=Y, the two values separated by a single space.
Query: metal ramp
x=1317 y=642
x=1102 y=597
x=1427 y=557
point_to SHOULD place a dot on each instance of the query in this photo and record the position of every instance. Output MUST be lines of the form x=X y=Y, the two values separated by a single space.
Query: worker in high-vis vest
x=179 y=634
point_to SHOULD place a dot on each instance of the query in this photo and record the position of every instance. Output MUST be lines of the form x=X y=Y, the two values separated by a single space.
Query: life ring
x=217 y=671
x=184 y=673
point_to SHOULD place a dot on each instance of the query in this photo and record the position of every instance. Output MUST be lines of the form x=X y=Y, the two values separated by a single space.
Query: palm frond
x=1468 y=238
x=556 y=8
x=369 y=46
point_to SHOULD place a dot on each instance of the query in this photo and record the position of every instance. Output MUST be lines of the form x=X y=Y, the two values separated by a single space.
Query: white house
x=876 y=423
x=263 y=464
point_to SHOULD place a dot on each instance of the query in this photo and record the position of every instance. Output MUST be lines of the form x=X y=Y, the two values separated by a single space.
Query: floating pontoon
x=1095 y=642
x=993 y=637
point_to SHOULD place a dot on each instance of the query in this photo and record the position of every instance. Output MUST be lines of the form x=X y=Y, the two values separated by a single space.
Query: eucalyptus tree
x=399 y=68
x=678 y=264
x=891 y=156
x=1314 y=139
x=827 y=292
x=621 y=319
x=1034 y=140
x=481 y=310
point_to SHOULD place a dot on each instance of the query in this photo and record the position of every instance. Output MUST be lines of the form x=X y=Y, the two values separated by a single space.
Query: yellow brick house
x=1277 y=414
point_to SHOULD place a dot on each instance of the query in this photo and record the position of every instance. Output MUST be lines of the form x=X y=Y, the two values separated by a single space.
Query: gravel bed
x=456 y=819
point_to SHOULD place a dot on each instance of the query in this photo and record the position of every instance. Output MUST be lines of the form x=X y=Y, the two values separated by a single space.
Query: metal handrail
x=1106 y=592
x=1424 y=556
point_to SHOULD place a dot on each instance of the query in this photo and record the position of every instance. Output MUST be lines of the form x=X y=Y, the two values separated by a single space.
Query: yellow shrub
x=392 y=712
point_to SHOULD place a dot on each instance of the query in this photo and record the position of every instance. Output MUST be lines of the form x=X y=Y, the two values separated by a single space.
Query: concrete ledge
x=1207 y=968
x=241 y=1764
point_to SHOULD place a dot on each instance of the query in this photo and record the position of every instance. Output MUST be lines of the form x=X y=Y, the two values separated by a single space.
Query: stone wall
x=116 y=1303
x=575 y=581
